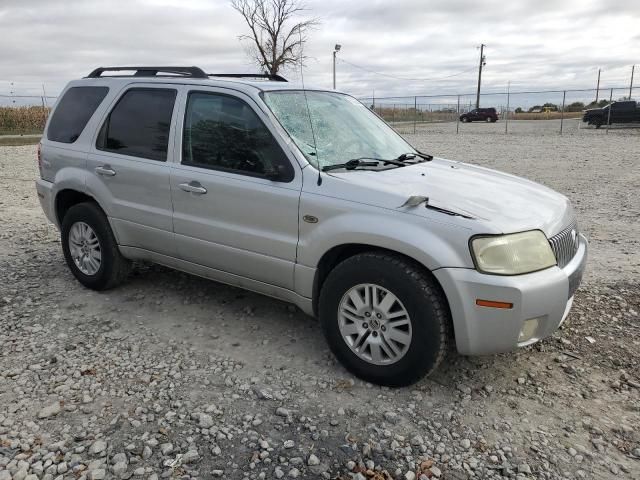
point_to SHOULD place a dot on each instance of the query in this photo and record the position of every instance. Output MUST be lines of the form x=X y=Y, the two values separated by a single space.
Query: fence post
x=609 y=114
x=564 y=96
x=458 y=116
x=506 y=118
x=415 y=113
x=44 y=113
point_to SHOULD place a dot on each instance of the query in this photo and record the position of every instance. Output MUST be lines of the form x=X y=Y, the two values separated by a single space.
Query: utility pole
x=482 y=63
x=633 y=67
x=598 y=86
x=335 y=50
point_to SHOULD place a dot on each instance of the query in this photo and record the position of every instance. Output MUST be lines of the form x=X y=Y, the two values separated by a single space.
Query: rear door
x=235 y=190
x=128 y=170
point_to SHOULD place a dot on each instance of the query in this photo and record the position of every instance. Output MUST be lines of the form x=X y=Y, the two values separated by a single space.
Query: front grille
x=565 y=244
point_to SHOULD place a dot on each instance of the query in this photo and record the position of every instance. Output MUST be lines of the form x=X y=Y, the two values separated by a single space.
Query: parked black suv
x=621 y=112
x=482 y=114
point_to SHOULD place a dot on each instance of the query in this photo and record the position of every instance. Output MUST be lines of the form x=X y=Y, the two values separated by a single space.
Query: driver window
x=223 y=133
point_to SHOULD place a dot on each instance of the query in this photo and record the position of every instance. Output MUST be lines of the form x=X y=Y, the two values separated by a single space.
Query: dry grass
x=22 y=120
x=394 y=115
x=544 y=116
x=19 y=141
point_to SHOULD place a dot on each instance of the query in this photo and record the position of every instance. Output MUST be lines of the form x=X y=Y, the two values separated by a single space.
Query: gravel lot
x=172 y=376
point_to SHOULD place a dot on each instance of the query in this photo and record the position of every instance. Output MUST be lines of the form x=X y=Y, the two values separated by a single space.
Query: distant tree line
x=572 y=107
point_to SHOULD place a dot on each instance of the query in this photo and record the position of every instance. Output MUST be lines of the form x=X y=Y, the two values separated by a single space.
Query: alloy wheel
x=84 y=247
x=374 y=324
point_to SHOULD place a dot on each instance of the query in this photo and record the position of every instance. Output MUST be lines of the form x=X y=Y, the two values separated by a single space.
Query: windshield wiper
x=352 y=164
x=412 y=155
x=373 y=162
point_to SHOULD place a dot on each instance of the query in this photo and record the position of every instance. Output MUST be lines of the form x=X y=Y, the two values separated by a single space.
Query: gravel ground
x=172 y=376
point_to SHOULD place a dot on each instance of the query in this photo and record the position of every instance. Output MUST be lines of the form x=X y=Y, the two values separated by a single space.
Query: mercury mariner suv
x=307 y=196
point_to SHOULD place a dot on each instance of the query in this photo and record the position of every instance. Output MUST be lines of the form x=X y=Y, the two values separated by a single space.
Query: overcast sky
x=532 y=43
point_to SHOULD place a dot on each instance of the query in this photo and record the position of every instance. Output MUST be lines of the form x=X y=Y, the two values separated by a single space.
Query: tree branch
x=268 y=20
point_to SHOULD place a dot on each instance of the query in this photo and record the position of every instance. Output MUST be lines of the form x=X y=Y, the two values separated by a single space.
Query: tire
x=597 y=124
x=420 y=296
x=464 y=120
x=112 y=268
x=494 y=120
x=489 y=120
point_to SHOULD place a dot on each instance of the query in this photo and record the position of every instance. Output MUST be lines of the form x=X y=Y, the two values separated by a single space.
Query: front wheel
x=385 y=318
x=90 y=248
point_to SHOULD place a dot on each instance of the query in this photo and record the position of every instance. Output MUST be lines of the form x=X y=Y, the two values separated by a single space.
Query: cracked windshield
x=344 y=128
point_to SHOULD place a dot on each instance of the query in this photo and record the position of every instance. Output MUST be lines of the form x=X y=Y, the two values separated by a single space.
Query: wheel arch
x=337 y=254
x=67 y=198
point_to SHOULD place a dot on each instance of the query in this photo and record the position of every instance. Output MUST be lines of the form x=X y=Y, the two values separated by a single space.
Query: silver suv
x=309 y=197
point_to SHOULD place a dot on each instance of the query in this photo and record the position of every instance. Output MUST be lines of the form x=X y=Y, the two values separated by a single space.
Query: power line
x=404 y=78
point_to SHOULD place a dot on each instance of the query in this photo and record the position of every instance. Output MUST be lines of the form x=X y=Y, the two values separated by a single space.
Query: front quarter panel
x=433 y=243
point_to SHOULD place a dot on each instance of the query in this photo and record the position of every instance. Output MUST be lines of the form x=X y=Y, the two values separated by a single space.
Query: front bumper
x=545 y=296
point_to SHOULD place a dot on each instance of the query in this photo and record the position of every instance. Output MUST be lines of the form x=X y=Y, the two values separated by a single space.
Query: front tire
x=90 y=248
x=385 y=318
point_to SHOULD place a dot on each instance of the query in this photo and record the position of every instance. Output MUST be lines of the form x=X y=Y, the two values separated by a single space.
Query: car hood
x=503 y=203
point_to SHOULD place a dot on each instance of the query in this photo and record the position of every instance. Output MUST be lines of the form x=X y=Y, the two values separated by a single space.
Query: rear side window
x=73 y=112
x=139 y=124
x=224 y=133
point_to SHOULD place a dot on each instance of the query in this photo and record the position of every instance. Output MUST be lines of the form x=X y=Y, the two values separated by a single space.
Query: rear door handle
x=105 y=170
x=193 y=187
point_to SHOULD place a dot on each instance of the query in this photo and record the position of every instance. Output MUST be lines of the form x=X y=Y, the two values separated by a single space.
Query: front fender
x=432 y=247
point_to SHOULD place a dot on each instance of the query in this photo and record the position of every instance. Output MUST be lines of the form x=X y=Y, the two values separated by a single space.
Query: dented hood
x=499 y=201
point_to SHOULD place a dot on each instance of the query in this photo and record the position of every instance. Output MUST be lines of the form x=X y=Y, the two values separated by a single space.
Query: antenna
x=306 y=101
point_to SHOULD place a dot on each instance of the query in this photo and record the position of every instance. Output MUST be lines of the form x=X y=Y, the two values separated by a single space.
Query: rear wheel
x=465 y=120
x=384 y=318
x=90 y=249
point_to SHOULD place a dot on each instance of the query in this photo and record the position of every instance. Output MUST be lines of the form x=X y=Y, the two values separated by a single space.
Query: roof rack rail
x=265 y=76
x=191 y=72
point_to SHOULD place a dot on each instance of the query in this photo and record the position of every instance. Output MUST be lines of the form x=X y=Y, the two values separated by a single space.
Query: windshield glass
x=344 y=128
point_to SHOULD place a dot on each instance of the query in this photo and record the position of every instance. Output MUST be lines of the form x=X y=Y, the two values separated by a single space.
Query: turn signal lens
x=493 y=304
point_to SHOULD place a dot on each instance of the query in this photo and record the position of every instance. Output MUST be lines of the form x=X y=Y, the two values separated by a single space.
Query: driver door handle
x=193 y=187
x=105 y=170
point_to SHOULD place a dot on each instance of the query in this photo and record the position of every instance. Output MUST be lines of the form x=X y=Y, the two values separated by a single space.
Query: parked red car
x=480 y=114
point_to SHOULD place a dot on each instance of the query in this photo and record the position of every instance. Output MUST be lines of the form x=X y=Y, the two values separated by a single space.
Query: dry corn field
x=22 y=120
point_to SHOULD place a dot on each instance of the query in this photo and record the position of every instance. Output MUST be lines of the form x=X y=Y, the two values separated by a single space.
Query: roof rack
x=190 y=72
x=265 y=76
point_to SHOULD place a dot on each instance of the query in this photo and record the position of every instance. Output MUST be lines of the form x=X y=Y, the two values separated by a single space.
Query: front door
x=235 y=192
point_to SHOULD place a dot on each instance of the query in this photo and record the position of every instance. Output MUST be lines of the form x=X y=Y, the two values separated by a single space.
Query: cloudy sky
x=535 y=44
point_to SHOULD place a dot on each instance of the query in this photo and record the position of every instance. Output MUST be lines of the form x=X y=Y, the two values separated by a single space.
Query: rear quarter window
x=73 y=112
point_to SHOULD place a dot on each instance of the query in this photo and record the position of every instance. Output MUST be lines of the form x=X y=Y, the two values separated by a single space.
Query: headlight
x=512 y=254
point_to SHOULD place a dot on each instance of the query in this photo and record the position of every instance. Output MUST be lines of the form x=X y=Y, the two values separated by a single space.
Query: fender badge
x=310 y=219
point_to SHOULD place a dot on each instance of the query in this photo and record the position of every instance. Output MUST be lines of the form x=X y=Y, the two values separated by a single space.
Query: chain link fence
x=559 y=111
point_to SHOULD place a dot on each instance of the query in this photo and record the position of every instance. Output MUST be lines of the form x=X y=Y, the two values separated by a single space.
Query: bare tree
x=276 y=40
